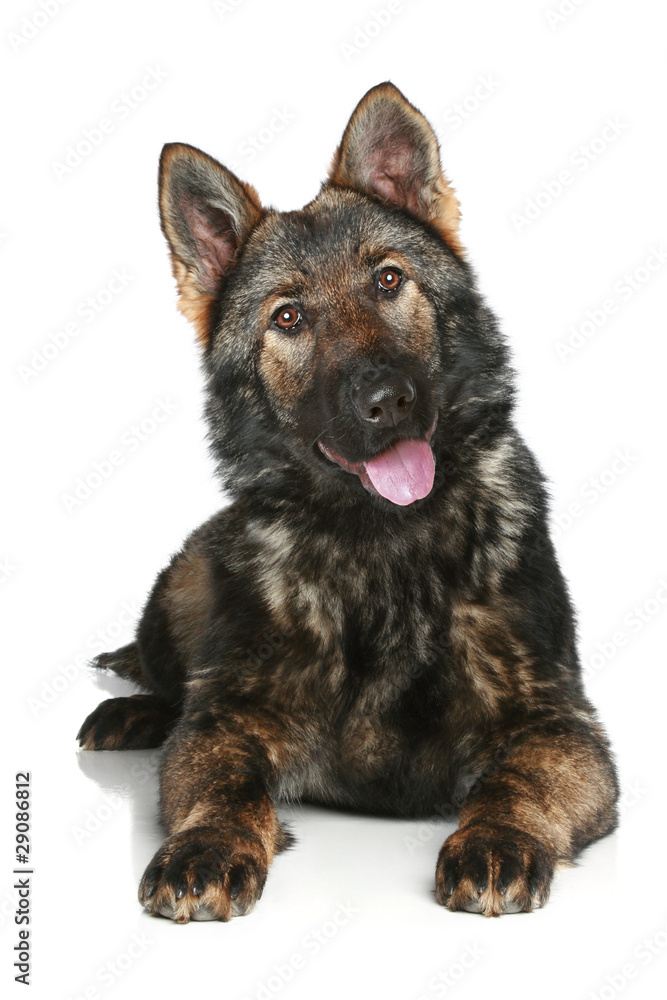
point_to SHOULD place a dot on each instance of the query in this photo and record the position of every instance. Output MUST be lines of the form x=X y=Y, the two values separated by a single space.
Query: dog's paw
x=492 y=869
x=137 y=722
x=201 y=874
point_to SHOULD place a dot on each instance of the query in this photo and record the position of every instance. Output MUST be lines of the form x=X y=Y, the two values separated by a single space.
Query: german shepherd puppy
x=378 y=621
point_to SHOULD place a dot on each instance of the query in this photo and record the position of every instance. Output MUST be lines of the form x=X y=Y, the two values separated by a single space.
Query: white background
x=66 y=573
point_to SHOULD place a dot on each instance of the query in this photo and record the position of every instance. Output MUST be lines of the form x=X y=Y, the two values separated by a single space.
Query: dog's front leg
x=551 y=791
x=216 y=804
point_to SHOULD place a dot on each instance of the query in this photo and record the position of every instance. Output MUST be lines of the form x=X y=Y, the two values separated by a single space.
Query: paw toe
x=193 y=878
x=493 y=869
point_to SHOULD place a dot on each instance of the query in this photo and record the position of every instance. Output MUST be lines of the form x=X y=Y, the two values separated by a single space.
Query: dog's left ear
x=389 y=150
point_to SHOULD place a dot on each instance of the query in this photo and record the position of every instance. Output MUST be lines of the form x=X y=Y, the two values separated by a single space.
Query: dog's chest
x=359 y=620
x=364 y=639
x=381 y=592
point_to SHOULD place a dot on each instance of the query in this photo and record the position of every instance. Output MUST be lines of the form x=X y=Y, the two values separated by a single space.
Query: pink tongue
x=403 y=473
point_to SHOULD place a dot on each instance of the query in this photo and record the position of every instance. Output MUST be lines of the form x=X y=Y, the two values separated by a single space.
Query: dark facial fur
x=297 y=388
x=316 y=640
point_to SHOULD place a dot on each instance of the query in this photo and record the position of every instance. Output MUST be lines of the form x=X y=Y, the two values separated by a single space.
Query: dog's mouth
x=402 y=473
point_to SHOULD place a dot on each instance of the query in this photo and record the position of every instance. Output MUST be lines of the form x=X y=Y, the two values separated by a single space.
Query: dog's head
x=345 y=345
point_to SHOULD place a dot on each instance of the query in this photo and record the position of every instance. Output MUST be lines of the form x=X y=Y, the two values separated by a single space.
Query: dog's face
x=331 y=334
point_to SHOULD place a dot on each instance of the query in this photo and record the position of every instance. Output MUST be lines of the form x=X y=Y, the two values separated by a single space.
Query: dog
x=377 y=621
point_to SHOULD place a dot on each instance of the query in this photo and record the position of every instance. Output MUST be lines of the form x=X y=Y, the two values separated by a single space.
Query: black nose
x=386 y=400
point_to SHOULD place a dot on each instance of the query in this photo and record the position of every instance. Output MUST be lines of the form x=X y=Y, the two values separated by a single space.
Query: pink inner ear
x=393 y=175
x=215 y=241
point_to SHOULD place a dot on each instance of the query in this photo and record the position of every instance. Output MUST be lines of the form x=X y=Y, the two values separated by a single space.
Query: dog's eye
x=287 y=318
x=389 y=279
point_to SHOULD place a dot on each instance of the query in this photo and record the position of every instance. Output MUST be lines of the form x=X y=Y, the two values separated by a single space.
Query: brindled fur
x=313 y=641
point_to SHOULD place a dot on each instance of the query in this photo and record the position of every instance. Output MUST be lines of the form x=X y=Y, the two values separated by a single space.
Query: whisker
x=325 y=428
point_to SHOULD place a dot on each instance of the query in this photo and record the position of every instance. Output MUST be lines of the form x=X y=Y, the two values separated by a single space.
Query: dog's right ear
x=206 y=213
